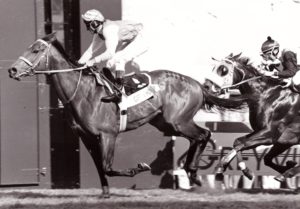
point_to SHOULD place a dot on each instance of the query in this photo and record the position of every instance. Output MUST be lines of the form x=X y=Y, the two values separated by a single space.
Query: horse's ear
x=245 y=60
x=50 y=37
x=214 y=59
x=230 y=55
x=237 y=56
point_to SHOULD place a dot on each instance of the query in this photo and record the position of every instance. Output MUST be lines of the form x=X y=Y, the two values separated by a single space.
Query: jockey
x=283 y=66
x=122 y=43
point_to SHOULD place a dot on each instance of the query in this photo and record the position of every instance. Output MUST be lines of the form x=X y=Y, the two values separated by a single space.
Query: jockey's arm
x=290 y=65
x=111 y=36
x=96 y=44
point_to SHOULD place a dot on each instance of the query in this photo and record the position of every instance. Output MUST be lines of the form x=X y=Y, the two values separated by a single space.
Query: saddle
x=132 y=82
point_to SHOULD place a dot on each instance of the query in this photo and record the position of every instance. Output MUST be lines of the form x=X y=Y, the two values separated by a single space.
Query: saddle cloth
x=137 y=89
x=135 y=82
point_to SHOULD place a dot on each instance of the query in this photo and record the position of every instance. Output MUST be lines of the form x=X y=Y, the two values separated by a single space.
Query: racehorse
x=273 y=112
x=171 y=109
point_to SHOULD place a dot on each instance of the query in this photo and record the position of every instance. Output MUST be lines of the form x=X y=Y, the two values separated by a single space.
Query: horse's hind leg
x=198 y=138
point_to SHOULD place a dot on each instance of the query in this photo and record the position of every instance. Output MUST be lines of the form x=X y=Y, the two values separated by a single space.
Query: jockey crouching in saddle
x=122 y=40
x=284 y=67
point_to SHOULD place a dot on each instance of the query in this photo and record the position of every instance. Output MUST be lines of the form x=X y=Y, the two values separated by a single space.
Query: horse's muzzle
x=211 y=87
x=13 y=73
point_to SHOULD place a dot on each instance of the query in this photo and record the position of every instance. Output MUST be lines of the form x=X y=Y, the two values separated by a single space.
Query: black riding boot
x=117 y=95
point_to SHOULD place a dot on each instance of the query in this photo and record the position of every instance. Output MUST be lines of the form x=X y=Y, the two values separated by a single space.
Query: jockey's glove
x=90 y=63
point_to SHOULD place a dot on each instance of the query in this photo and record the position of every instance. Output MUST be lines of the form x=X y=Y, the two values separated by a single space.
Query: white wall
x=185 y=34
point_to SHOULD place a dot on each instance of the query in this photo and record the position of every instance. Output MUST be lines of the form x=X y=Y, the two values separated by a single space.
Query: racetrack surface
x=157 y=198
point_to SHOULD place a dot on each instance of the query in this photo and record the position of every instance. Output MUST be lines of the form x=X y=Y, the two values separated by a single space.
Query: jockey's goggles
x=273 y=51
x=92 y=25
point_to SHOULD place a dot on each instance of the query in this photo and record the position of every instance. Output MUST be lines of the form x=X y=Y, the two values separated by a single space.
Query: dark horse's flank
x=274 y=113
x=171 y=110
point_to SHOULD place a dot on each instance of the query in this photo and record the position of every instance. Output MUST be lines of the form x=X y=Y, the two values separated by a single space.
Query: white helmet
x=92 y=15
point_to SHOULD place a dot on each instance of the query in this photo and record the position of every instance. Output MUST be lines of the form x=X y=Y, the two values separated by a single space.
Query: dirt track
x=126 y=198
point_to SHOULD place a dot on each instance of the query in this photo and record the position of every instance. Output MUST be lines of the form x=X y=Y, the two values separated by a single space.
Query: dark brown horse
x=171 y=109
x=274 y=112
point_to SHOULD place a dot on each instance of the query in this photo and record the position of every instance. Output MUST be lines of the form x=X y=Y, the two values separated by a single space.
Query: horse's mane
x=53 y=40
x=246 y=63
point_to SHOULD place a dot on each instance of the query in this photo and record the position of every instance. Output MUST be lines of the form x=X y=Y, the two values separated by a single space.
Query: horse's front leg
x=92 y=145
x=288 y=174
x=107 y=146
x=276 y=150
x=243 y=143
x=226 y=160
x=242 y=165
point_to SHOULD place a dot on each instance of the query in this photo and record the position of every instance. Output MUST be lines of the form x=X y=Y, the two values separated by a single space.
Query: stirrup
x=115 y=97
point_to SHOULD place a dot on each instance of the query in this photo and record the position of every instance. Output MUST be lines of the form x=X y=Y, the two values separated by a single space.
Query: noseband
x=32 y=67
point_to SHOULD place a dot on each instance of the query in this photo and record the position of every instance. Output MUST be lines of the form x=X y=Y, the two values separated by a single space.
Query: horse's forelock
x=50 y=37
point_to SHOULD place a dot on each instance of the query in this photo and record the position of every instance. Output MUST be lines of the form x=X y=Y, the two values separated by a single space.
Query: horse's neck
x=66 y=83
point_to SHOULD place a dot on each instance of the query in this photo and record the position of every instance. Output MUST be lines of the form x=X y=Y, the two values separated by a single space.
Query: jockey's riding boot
x=117 y=95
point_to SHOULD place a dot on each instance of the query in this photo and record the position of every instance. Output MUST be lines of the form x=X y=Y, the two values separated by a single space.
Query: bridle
x=235 y=66
x=45 y=55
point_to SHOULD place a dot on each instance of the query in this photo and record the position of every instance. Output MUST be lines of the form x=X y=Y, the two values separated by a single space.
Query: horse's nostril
x=12 y=70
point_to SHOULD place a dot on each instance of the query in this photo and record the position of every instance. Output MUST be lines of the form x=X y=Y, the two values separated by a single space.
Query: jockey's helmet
x=93 y=19
x=270 y=46
x=92 y=15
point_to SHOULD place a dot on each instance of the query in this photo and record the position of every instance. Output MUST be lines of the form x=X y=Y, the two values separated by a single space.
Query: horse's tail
x=234 y=103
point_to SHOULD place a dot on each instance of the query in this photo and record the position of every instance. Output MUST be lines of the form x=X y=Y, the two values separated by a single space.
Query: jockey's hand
x=90 y=63
x=267 y=62
x=270 y=74
x=81 y=62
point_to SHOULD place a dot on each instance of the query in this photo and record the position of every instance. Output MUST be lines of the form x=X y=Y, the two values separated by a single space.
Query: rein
x=241 y=82
x=33 y=71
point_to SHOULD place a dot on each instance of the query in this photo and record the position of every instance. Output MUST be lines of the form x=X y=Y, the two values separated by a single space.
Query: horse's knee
x=109 y=172
x=238 y=142
x=205 y=136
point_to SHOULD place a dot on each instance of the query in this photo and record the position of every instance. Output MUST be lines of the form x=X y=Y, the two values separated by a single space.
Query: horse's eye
x=222 y=71
x=35 y=51
x=37 y=48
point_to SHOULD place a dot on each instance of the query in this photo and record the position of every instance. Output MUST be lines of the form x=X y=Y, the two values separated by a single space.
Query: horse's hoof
x=290 y=164
x=248 y=173
x=280 y=178
x=194 y=179
x=219 y=177
x=105 y=196
x=219 y=169
x=105 y=192
x=144 y=166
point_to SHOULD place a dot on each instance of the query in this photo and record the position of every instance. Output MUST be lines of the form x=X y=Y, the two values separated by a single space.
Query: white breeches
x=134 y=49
x=296 y=79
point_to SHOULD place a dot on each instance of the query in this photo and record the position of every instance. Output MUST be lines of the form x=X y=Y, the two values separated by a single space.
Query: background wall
x=185 y=34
